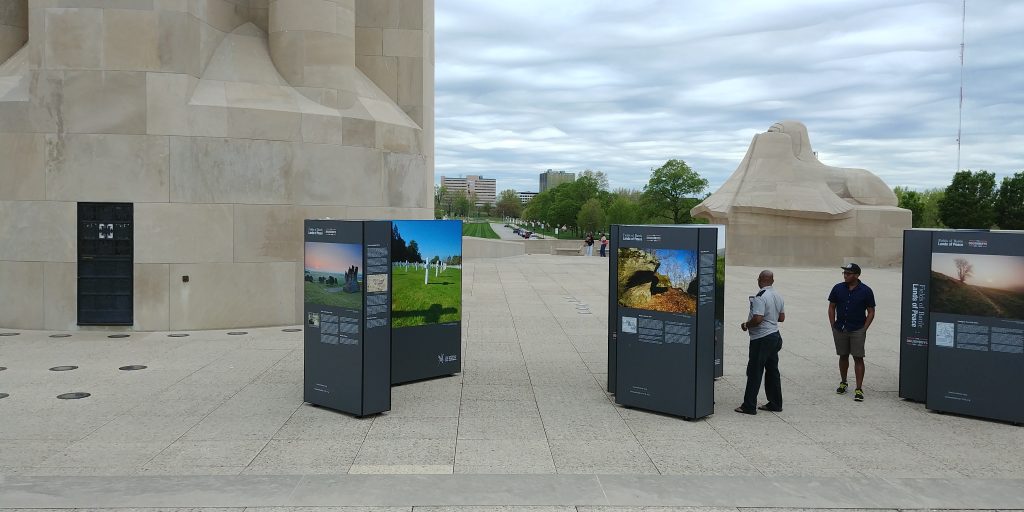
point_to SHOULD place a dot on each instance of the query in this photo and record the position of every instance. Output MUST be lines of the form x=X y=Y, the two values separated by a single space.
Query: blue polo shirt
x=851 y=305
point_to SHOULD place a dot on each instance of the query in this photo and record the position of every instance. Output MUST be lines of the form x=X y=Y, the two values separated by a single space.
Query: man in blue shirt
x=851 y=309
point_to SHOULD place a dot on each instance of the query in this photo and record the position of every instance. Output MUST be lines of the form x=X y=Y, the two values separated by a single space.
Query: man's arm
x=782 y=316
x=871 y=318
x=756 y=319
x=832 y=314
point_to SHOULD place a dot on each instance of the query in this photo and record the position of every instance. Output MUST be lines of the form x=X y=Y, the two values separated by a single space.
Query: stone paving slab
x=699 y=492
x=530 y=400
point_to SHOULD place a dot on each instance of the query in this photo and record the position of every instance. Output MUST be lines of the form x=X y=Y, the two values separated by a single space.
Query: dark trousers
x=764 y=360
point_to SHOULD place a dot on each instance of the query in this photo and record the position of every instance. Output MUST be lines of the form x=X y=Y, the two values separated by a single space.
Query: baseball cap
x=851 y=267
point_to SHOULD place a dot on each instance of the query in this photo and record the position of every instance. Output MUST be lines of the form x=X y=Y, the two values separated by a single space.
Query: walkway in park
x=217 y=420
x=504 y=233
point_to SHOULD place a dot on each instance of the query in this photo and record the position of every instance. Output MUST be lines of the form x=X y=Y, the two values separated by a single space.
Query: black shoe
x=858 y=395
x=741 y=410
x=769 y=407
x=842 y=388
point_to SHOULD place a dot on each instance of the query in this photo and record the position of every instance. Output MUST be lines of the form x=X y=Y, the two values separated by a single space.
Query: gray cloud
x=624 y=86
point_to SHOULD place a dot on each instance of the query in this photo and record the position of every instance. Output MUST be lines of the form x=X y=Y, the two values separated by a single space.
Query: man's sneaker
x=842 y=388
x=858 y=395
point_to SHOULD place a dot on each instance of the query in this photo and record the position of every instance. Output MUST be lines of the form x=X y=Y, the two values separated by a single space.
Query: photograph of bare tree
x=978 y=285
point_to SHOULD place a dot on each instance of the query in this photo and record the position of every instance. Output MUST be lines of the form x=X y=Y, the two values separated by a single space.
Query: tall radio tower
x=960 y=122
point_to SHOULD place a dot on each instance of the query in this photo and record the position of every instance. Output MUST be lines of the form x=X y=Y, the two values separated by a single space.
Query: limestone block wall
x=226 y=123
x=13 y=27
x=872 y=237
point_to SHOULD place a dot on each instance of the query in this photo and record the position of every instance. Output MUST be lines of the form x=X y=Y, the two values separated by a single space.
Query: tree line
x=971 y=201
x=586 y=205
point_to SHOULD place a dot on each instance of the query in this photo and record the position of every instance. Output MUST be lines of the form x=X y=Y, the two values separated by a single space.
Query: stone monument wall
x=225 y=123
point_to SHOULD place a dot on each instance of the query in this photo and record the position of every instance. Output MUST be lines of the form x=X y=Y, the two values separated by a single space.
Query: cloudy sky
x=622 y=86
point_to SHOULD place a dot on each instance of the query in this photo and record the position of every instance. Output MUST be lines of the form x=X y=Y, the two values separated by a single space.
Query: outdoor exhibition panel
x=720 y=303
x=347 y=295
x=662 y=316
x=914 y=328
x=970 y=308
x=426 y=312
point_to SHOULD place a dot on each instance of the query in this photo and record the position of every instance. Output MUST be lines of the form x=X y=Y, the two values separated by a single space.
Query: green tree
x=1010 y=202
x=485 y=210
x=539 y=207
x=969 y=201
x=443 y=202
x=461 y=205
x=911 y=200
x=600 y=178
x=930 y=210
x=672 y=191
x=561 y=206
x=624 y=209
x=508 y=204
x=591 y=216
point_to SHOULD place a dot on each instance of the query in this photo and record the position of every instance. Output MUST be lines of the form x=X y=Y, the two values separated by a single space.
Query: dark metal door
x=105 y=263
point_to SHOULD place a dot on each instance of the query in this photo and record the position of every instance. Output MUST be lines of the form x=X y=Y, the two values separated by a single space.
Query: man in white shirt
x=767 y=310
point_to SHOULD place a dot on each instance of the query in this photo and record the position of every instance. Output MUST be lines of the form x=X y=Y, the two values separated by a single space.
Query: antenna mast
x=960 y=122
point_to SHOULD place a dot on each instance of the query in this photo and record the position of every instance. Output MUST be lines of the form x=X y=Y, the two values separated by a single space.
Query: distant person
x=604 y=245
x=851 y=309
x=767 y=310
x=589 y=243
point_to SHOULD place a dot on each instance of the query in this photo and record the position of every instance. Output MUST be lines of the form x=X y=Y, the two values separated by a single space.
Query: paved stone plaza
x=217 y=420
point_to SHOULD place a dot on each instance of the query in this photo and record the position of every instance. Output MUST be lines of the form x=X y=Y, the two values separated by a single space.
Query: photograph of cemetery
x=333 y=276
x=426 y=274
x=658 y=280
x=978 y=285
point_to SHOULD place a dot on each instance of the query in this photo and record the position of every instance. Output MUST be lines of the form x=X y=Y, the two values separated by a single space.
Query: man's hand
x=743 y=326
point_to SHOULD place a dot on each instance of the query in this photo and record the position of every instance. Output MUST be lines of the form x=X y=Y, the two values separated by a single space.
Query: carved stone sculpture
x=783 y=207
x=225 y=123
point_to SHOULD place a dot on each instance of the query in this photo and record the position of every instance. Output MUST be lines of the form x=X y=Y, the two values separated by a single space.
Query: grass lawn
x=415 y=303
x=316 y=293
x=479 y=230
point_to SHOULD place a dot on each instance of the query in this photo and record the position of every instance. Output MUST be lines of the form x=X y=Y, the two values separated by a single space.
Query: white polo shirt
x=768 y=304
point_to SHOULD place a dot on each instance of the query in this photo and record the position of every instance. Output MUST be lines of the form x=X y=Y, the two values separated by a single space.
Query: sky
x=332 y=258
x=440 y=238
x=679 y=265
x=623 y=86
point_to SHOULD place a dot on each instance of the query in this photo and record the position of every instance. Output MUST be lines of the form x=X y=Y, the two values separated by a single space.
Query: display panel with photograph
x=426 y=273
x=658 y=280
x=985 y=285
x=333 y=275
x=962 y=325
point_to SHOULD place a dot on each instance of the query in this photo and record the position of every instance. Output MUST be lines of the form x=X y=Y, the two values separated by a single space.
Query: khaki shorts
x=849 y=343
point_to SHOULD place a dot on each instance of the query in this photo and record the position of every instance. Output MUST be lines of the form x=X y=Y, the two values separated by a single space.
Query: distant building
x=484 y=188
x=552 y=179
x=524 y=197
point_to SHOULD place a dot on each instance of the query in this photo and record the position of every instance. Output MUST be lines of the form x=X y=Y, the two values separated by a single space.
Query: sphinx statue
x=784 y=207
